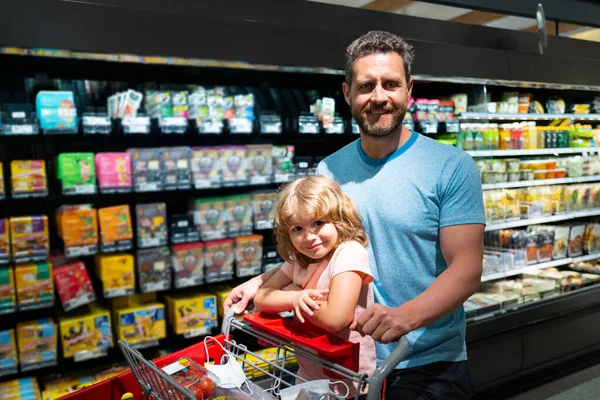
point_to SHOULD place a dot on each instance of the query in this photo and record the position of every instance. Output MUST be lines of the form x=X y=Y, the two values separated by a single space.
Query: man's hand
x=383 y=324
x=244 y=294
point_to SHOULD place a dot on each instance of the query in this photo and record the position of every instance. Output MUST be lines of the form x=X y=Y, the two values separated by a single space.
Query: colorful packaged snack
x=151 y=219
x=56 y=111
x=2 y=187
x=28 y=178
x=283 y=163
x=78 y=228
x=8 y=349
x=154 y=269
x=116 y=230
x=4 y=241
x=234 y=165
x=576 y=240
x=140 y=323
x=218 y=260
x=73 y=285
x=183 y=229
x=77 y=173
x=263 y=204
x=192 y=312
x=206 y=167
x=33 y=283
x=8 y=299
x=260 y=164
x=36 y=342
x=89 y=331
x=117 y=274
x=239 y=215
x=248 y=255
x=114 y=172
x=146 y=166
x=29 y=238
x=210 y=216
x=176 y=168
x=188 y=264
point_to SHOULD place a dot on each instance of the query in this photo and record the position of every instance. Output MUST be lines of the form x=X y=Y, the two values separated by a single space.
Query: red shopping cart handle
x=326 y=345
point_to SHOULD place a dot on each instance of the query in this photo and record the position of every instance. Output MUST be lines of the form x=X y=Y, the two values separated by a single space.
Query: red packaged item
x=192 y=376
x=73 y=285
x=188 y=263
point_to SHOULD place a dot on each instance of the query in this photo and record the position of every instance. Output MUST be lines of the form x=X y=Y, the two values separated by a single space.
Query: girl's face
x=312 y=237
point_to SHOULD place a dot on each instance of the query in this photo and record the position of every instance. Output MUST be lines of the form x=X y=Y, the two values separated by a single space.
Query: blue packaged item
x=56 y=110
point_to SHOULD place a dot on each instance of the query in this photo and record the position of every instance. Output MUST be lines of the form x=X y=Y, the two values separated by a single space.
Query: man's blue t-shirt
x=404 y=200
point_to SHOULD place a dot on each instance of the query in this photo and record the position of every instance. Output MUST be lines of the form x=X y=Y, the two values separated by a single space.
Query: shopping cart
x=337 y=357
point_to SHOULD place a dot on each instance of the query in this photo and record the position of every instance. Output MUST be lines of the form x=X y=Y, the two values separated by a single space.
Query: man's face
x=378 y=95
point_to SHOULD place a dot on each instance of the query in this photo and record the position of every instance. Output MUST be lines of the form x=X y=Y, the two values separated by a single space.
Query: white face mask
x=230 y=373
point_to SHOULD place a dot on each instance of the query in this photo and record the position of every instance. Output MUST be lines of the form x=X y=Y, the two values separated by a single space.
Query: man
x=422 y=208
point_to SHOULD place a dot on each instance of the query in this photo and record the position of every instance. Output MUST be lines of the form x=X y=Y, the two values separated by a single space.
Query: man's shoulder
x=439 y=149
x=338 y=162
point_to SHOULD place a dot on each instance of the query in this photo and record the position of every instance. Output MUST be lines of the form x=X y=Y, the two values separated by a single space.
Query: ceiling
x=468 y=16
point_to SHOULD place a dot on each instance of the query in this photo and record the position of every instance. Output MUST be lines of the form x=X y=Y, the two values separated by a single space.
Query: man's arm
x=462 y=248
x=244 y=293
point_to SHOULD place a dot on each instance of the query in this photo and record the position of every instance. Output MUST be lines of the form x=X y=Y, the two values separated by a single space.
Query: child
x=326 y=277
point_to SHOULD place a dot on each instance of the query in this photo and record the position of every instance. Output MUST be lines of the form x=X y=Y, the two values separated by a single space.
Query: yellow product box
x=34 y=285
x=28 y=176
x=57 y=386
x=117 y=274
x=18 y=389
x=86 y=332
x=37 y=342
x=29 y=237
x=139 y=324
x=107 y=372
x=189 y=312
x=221 y=292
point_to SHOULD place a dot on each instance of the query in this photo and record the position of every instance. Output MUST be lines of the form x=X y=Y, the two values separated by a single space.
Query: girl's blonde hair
x=322 y=197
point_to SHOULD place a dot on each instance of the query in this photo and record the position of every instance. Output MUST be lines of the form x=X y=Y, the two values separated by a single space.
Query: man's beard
x=379 y=129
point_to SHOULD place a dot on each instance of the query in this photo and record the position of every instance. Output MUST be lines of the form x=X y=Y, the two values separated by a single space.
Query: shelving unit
x=532 y=152
x=466 y=116
x=540 y=182
x=542 y=220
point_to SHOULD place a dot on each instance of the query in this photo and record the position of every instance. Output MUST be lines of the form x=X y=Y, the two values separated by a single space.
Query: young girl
x=326 y=277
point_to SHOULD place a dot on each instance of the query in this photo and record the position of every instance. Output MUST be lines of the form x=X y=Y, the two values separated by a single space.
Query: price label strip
x=90 y=354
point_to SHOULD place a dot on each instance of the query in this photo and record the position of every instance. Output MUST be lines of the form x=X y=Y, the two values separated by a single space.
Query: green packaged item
x=77 y=173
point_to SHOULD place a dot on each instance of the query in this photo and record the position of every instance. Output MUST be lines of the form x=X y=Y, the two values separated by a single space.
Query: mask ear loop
x=345 y=385
x=227 y=354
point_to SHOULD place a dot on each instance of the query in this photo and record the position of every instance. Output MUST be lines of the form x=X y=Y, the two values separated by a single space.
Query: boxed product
x=116 y=230
x=56 y=111
x=151 y=222
x=154 y=269
x=88 y=331
x=218 y=260
x=8 y=299
x=192 y=376
x=210 y=217
x=283 y=163
x=591 y=240
x=479 y=304
x=37 y=342
x=28 y=177
x=248 y=255
x=176 y=167
x=60 y=385
x=239 y=215
x=567 y=280
x=221 y=293
x=33 y=283
x=78 y=228
x=117 y=274
x=234 y=165
x=29 y=238
x=206 y=167
x=20 y=389
x=2 y=187
x=73 y=285
x=188 y=264
x=146 y=165
x=8 y=349
x=139 y=323
x=561 y=242
x=263 y=203
x=576 y=240
x=76 y=172
x=183 y=229
x=187 y=312
x=260 y=163
x=114 y=171
x=4 y=241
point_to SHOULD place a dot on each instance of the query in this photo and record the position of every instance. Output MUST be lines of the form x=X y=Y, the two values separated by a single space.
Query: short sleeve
x=462 y=198
x=288 y=269
x=352 y=256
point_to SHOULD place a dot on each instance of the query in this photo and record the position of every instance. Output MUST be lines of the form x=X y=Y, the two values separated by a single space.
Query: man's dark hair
x=379 y=42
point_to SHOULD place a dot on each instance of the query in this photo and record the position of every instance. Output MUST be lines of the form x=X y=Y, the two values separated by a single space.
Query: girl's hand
x=304 y=302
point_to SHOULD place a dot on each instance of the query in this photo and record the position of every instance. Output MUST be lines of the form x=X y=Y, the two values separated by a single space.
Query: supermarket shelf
x=540 y=182
x=532 y=152
x=537 y=267
x=527 y=117
x=542 y=220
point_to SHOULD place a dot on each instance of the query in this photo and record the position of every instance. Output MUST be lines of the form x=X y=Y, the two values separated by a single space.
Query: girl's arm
x=272 y=299
x=337 y=313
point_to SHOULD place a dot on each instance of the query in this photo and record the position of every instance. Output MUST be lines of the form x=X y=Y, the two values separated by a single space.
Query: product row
x=155 y=169
x=31 y=285
x=539 y=201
